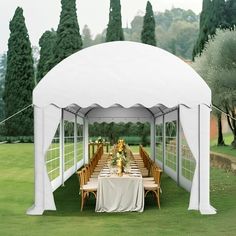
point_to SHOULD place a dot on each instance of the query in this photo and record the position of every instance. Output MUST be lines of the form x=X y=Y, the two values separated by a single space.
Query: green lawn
x=228 y=150
x=16 y=184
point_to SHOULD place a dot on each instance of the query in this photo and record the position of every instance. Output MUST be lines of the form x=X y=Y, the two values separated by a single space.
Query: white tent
x=128 y=82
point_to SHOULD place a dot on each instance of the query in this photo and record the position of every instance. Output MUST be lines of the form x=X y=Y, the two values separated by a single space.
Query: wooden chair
x=85 y=187
x=154 y=187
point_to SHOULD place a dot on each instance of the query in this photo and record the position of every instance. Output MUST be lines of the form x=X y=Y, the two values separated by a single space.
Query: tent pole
x=75 y=144
x=62 y=130
x=199 y=169
x=86 y=154
x=152 y=138
x=178 y=146
x=163 y=143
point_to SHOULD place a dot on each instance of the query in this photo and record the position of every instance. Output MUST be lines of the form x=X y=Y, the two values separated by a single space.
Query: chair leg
x=83 y=197
x=82 y=201
x=158 y=198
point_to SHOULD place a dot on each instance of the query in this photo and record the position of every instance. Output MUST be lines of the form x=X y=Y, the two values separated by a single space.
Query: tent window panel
x=171 y=145
x=79 y=147
x=53 y=157
x=187 y=160
x=69 y=145
x=159 y=142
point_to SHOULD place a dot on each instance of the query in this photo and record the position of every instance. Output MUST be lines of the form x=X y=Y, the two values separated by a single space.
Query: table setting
x=120 y=186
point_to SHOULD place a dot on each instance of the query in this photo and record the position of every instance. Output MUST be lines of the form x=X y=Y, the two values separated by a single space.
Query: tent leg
x=75 y=143
x=153 y=139
x=204 y=161
x=86 y=138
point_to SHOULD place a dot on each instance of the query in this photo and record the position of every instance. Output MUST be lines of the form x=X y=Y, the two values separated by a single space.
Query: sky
x=42 y=15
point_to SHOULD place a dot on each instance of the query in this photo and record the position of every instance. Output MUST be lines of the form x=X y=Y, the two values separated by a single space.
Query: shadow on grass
x=68 y=200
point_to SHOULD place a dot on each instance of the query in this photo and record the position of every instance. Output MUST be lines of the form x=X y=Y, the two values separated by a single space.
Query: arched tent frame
x=128 y=82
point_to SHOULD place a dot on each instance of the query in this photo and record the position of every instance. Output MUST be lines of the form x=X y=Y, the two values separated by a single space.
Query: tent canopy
x=125 y=73
x=123 y=81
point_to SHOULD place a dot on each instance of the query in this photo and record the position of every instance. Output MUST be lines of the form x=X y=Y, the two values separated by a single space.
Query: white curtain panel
x=195 y=122
x=46 y=121
x=189 y=123
x=204 y=174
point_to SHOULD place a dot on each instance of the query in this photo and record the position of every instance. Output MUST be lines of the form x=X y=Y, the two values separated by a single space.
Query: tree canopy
x=217 y=65
x=87 y=37
x=176 y=31
x=215 y=14
x=3 y=66
x=47 y=44
x=19 y=79
x=68 y=32
x=114 y=28
x=148 y=32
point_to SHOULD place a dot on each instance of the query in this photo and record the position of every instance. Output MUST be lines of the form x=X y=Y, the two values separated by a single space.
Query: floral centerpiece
x=119 y=156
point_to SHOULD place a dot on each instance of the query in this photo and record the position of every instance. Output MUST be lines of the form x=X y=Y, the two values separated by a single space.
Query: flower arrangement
x=119 y=155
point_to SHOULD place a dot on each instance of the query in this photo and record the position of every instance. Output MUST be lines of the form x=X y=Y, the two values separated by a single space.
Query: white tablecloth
x=120 y=194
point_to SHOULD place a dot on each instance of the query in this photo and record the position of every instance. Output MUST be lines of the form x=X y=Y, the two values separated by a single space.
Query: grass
x=17 y=184
x=228 y=150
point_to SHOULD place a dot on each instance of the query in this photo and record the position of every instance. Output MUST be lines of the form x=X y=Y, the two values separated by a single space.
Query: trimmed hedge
x=131 y=140
x=14 y=139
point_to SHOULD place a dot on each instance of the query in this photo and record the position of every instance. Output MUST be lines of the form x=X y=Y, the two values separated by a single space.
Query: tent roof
x=124 y=73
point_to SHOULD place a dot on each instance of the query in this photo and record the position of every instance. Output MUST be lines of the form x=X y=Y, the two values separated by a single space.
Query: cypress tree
x=218 y=16
x=3 y=66
x=47 y=44
x=68 y=32
x=148 y=32
x=205 y=19
x=87 y=37
x=114 y=29
x=231 y=13
x=213 y=16
x=19 y=79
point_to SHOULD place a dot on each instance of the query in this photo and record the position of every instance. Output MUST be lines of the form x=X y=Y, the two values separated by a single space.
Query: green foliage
x=148 y=32
x=19 y=79
x=87 y=37
x=17 y=139
x=114 y=131
x=47 y=44
x=3 y=66
x=230 y=13
x=217 y=65
x=179 y=38
x=176 y=31
x=205 y=29
x=114 y=29
x=68 y=32
x=167 y=18
x=215 y=14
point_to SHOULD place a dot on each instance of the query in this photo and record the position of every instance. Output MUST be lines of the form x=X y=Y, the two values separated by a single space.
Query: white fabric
x=120 y=194
x=46 y=121
x=127 y=73
x=119 y=114
x=196 y=127
x=189 y=123
x=204 y=151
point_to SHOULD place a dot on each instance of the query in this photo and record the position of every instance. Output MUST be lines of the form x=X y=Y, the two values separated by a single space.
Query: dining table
x=120 y=193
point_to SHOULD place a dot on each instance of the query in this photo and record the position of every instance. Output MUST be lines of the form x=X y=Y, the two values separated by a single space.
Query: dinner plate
x=104 y=175
x=105 y=172
x=135 y=175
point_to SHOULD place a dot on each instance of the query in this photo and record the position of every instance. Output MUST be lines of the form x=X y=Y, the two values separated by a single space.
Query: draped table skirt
x=120 y=194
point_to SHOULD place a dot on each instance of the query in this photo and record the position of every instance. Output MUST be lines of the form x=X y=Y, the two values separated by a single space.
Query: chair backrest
x=87 y=173
x=157 y=175
x=80 y=177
